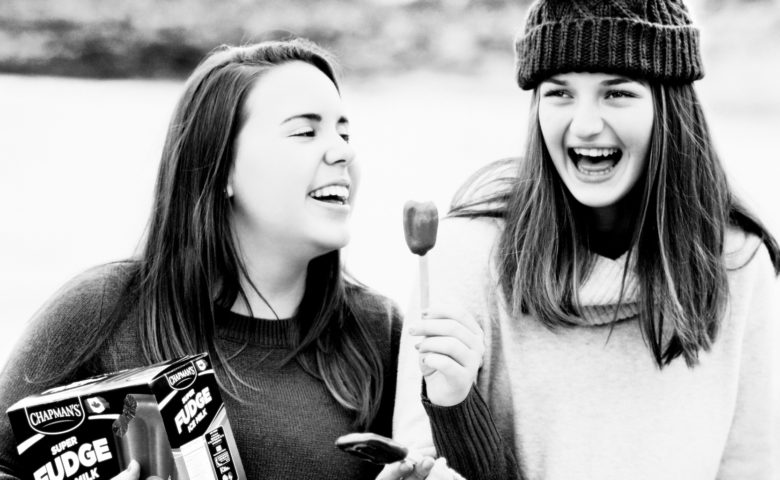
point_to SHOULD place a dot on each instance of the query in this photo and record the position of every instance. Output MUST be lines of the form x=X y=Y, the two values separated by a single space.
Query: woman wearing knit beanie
x=628 y=300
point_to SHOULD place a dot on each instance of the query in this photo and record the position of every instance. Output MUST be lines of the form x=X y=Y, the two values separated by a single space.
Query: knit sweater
x=588 y=401
x=287 y=423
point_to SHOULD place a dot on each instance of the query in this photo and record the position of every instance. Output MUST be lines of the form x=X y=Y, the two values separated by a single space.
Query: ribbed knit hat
x=648 y=39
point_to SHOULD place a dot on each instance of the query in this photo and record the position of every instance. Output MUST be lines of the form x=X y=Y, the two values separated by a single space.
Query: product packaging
x=169 y=417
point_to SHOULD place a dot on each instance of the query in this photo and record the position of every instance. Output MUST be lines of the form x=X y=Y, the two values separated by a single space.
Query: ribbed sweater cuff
x=466 y=435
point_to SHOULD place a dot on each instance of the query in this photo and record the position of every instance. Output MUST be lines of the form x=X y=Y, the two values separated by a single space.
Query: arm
x=451 y=351
x=466 y=434
x=460 y=281
x=753 y=446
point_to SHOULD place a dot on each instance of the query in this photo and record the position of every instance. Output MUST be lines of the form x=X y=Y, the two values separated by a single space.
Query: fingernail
x=412 y=331
x=425 y=314
x=407 y=466
x=417 y=346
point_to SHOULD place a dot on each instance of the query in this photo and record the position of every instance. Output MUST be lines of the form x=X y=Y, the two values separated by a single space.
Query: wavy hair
x=682 y=207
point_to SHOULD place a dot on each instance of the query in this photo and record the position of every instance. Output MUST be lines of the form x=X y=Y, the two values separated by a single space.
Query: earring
x=229 y=191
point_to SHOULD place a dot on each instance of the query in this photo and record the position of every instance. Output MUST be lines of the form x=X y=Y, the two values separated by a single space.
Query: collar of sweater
x=600 y=294
x=252 y=330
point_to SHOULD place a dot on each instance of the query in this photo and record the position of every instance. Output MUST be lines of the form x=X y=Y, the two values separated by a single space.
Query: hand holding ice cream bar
x=421 y=223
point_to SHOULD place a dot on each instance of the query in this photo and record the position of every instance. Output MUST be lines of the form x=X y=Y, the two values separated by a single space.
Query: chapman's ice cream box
x=169 y=417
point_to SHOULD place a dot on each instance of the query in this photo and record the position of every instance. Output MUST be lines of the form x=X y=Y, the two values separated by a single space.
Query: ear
x=229 y=190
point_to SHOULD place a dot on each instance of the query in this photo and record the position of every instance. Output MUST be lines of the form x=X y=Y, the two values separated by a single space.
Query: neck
x=274 y=285
x=611 y=229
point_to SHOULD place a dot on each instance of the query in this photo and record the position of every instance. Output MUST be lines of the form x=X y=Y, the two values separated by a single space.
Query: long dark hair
x=684 y=208
x=190 y=262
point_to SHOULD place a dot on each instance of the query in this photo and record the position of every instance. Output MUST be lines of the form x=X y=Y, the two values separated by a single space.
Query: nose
x=587 y=120
x=340 y=153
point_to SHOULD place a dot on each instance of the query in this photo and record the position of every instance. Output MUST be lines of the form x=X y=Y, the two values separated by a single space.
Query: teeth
x=595 y=152
x=339 y=191
x=595 y=172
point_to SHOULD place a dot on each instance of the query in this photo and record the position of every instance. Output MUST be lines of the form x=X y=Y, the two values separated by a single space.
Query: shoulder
x=380 y=315
x=746 y=251
x=92 y=289
x=487 y=189
x=465 y=244
x=70 y=322
x=754 y=288
x=371 y=305
x=84 y=301
x=465 y=233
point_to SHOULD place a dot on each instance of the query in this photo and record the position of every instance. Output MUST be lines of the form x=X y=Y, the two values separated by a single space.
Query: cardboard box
x=169 y=417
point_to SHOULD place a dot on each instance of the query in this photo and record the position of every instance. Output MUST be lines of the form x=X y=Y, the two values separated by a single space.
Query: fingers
x=396 y=471
x=445 y=365
x=452 y=332
x=447 y=327
x=407 y=470
x=450 y=311
x=441 y=471
x=422 y=470
x=461 y=353
x=450 y=322
x=132 y=472
x=458 y=314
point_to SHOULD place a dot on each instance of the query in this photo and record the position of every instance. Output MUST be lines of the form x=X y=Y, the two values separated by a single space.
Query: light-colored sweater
x=588 y=402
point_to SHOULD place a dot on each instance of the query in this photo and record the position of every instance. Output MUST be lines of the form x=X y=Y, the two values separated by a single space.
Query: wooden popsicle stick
x=424 y=289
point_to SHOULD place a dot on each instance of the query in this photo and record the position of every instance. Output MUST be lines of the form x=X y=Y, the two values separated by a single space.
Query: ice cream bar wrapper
x=169 y=417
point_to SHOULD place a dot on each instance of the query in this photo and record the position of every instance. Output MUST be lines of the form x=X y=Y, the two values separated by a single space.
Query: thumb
x=422 y=469
x=396 y=470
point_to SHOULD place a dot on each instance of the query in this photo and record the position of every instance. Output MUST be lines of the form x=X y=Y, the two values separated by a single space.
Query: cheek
x=552 y=126
x=355 y=174
x=268 y=170
x=642 y=122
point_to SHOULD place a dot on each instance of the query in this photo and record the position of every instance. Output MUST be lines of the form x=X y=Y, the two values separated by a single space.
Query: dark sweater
x=288 y=421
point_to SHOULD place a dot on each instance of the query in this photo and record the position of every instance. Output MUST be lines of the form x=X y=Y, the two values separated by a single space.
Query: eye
x=556 y=92
x=303 y=132
x=620 y=94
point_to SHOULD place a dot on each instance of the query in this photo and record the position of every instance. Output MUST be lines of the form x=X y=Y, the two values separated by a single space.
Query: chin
x=597 y=198
x=591 y=202
x=325 y=245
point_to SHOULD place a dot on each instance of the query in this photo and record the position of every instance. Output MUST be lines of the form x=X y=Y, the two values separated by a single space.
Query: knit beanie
x=647 y=39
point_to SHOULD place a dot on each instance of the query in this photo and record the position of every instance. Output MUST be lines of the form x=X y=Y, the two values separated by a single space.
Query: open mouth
x=333 y=194
x=595 y=161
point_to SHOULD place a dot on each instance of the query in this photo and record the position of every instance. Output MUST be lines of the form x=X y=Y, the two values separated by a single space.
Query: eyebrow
x=617 y=81
x=314 y=117
x=556 y=81
x=610 y=82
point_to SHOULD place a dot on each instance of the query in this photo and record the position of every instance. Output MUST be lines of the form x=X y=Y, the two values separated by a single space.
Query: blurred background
x=87 y=87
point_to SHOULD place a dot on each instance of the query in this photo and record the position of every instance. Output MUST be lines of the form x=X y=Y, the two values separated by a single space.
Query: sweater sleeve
x=753 y=446
x=466 y=435
x=48 y=342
